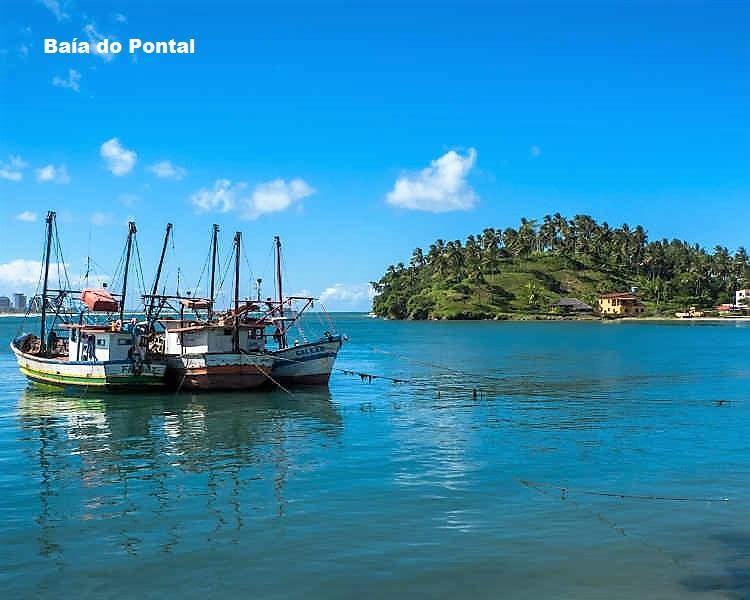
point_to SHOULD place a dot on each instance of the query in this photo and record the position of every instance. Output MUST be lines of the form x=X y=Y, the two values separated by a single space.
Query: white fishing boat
x=303 y=361
x=204 y=356
x=93 y=355
x=224 y=351
x=309 y=363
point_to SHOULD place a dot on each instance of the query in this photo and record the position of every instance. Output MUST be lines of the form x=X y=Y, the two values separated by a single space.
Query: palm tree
x=417 y=258
x=491 y=249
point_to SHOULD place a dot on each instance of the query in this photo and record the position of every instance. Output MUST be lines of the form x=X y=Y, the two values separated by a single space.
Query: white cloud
x=535 y=152
x=441 y=187
x=27 y=216
x=100 y=219
x=166 y=170
x=72 y=82
x=12 y=169
x=275 y=196
x=343 y=296
x=269 y=197
x=23 y=50
x=120 y=18
x=94 y=37
x=120 y=161
x=20 y=272
x=53 y=174
x=24 y=275
x=223 y=197
x=55 y=8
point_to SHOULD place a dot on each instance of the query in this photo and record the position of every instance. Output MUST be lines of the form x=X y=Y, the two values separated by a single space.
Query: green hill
x=520 y=273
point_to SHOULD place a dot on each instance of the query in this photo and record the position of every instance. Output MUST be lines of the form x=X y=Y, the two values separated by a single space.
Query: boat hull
x=306 y=364
x=218 y=372
x=109 y=375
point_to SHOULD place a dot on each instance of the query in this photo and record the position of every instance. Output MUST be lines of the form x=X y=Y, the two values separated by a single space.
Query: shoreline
x=543 y=318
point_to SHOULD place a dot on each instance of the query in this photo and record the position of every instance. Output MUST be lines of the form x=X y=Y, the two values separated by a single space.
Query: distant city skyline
x=16 y=301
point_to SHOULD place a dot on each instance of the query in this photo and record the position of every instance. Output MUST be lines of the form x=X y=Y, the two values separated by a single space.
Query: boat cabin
x=199 y=338
x=99 y=343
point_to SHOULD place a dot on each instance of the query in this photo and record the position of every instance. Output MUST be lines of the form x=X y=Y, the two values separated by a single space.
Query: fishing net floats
x=364 y=377
x=369 y=377
x=545 y=490
x=564 y=491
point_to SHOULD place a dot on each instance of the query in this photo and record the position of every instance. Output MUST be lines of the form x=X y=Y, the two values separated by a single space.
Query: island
x=561 y=268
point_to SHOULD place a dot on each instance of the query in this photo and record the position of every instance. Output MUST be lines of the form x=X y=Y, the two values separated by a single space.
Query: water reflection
x=168 y=465
x=733 y=581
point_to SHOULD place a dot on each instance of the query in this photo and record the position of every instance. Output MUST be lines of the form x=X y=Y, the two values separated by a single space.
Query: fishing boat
x=102 y=354
x=218 y=351
x=303 y=361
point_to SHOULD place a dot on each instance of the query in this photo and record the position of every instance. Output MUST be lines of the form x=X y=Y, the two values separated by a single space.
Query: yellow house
x=622 y=304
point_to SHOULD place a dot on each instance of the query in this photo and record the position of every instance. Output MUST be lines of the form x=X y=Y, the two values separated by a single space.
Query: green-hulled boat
x=103 y=355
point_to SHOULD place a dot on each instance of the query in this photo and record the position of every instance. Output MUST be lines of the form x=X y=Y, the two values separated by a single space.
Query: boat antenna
x=158 y=274
x=42 y=331
x=236 y=332
x=282 y=333
x=131 y=234
x=214 y=251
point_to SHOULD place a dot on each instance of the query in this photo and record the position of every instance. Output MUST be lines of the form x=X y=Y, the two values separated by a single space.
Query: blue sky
x=360 y=130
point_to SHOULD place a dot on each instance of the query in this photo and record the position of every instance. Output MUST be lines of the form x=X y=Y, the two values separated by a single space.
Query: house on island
x=742 y=298
x=621 y=304
x=572 y=306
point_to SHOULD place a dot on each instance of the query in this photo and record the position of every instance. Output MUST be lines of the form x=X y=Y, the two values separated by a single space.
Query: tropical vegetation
x=522 y=271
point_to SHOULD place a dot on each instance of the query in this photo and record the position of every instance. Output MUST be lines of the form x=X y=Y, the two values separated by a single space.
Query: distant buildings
x=16 y=303
x=622 y=304
x=742 y=298
x=572 y=306
x=19 y=302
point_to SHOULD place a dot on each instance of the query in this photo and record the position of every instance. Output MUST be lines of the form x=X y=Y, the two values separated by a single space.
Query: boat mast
x=131 y=233
x=214 y=251
x=158 y=273
x=42 y=331
x=236 y=332
x=280 y=298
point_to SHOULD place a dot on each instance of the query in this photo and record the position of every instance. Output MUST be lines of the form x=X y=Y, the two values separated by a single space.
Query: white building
x=742 y=297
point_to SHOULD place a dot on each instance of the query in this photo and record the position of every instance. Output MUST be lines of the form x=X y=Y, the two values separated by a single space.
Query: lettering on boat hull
x=306 y=364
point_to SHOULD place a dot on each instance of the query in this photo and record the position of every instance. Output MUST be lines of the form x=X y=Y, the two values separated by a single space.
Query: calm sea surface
x=417 y=489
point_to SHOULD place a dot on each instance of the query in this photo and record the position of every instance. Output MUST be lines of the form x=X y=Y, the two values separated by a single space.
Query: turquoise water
x=418 y=489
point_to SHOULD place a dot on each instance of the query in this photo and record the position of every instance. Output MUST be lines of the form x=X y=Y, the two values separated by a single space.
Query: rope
x=565 y=490
x=368 y=377
x=425 y=363
x=249 y=271
x=179 y=387
x=605 y=520
x=262 y=370
x=141 y=281
x=203 y=269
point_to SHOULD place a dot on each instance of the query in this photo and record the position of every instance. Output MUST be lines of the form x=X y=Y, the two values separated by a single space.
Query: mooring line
x=605 y=520
x=179 y=387
x=369 y=377
x=427 y=364
x=564 y=490
x=273 y=380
